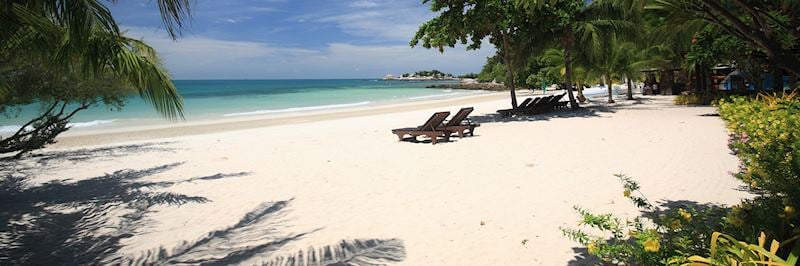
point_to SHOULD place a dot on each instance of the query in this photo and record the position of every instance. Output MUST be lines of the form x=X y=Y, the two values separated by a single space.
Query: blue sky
x=252 y=39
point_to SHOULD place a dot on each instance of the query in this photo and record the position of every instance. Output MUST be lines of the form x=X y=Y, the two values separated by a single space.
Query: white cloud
x=381 y=19
x=233 y=20
x=198 y=57
x=364 y=4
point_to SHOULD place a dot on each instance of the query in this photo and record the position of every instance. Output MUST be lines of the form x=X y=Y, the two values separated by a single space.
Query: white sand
x=349 y=178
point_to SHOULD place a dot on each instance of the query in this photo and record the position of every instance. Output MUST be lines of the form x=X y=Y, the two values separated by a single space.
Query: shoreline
x=147 y=132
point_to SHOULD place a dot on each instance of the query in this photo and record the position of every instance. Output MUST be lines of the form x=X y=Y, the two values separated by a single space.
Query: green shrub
x=661 y=236
x=691 y=98
x=765 y=135
x=688 y=99
x=726 y=250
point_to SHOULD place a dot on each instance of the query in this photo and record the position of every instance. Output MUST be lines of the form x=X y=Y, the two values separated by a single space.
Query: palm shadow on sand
x=62 y=222
x=66 y=222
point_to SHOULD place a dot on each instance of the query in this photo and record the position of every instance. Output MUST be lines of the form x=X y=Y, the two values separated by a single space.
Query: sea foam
x=298 y=109
x=434 y=96
x=14 y=128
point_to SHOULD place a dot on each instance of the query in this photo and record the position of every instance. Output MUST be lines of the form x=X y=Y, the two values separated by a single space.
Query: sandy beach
x=315 y=179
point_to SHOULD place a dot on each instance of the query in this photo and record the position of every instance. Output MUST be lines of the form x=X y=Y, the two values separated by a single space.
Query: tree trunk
x=608 y=86
x=630 y=89
x=777 y=80
x=509 y=70
x=581 y=98
x=568 y=42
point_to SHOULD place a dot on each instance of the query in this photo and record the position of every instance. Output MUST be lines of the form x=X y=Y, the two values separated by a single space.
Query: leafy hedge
x=765 y=135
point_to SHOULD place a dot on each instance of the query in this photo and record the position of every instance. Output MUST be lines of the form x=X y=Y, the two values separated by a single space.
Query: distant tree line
x=425 y=73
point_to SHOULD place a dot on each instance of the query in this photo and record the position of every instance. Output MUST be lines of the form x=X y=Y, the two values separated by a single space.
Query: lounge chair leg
x=433 y=140
x=399 y=137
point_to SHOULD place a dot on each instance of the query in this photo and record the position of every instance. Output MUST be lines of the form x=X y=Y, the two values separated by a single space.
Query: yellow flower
x=591 y=247
x=651 y=245
x=627 y=193
x=675 y=225
x=685 y=214
x=736 y=220
x=789 y=210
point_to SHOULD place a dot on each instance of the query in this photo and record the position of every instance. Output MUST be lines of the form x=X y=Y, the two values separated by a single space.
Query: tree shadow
x=591 y=111
x=80 y=222
x=594 y=108
x=712 y=213
x=259 y=236
x=84 y=222
x=582 y=257
x=85 y=154
x=50 y=160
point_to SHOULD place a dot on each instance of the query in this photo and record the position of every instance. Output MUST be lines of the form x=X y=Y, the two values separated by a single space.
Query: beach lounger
x=428 y=129
x=554 y=103
x=460 y=123
x=509 y=112
x=538 y=106
x=560 y=104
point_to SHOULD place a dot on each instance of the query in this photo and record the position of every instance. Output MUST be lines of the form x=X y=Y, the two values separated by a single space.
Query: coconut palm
x=582 y=29
x=579 y=70
x=82 y=36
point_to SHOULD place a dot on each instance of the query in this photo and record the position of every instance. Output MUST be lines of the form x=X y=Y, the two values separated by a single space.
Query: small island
x=422 y=75
x=466 y=82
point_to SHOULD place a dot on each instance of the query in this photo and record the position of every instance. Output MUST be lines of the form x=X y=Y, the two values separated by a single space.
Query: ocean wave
x=298 y=109
x=91 y=123
x=433 y=96
x=14 y=128
x=11 y=128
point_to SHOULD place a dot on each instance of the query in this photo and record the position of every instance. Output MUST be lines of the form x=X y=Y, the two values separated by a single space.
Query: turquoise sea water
x=210 y=99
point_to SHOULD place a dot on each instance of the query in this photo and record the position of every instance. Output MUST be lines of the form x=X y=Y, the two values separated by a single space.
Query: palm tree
x=82 y=36
x=579 y=70
x=584 y=27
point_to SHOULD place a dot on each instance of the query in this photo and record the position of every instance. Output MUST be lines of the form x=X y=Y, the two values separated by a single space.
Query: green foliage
x=771 y=27
x=764 y=136
x=81 y=38
x=470 y=75
x=658 y=237
x=710 y=47
x=70 y=55
x=432 y=73
x=493 y=70
x=726 y=250
x=688 y=99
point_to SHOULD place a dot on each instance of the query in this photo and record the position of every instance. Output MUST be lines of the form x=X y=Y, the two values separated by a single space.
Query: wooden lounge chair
x=561 y=105
x=458 y=124
x=537 y=107
x=509 y=112
x=554 y=103
x=428 y=129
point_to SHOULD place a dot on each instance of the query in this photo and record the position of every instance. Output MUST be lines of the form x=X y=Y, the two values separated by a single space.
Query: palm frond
x=174 y=15
x=348 y=252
